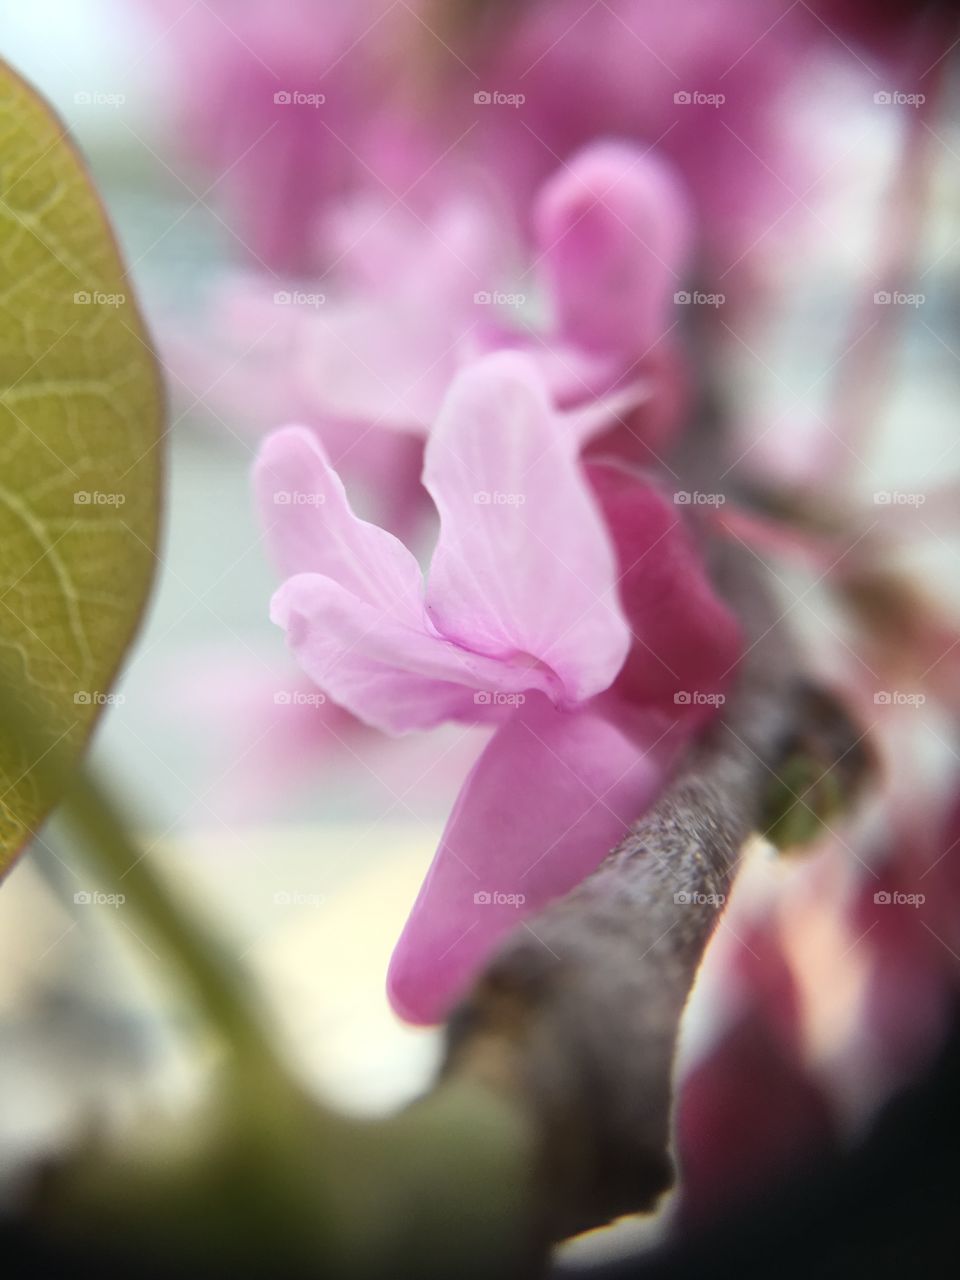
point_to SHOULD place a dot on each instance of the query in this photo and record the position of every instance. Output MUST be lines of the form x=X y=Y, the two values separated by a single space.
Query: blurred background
x=819 y=146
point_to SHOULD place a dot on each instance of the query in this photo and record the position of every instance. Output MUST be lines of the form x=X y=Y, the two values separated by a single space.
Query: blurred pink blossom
x=276 y=101
x=413 y=302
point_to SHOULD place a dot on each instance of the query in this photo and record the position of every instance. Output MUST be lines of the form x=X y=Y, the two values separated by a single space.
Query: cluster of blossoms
x=466 y=289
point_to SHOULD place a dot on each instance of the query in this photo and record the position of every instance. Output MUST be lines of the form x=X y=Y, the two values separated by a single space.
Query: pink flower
x=278 y=103
x=408 y=112
x=611 y=241
x=572 y=636
x=374 y=350
x=750 y=1106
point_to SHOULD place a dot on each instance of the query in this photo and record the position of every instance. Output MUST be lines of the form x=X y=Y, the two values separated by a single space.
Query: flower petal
x=523 y=565
x=614 y=229
x=687 y=641
x=552 y=793
x=392 y=673
x=312 y=529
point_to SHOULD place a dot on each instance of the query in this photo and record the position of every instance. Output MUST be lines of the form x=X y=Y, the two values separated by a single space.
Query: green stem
x=213 y=980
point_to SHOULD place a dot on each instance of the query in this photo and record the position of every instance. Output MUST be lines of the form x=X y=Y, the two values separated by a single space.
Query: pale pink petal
x=392 y=673
x=311 y=528
x=614 y=231
x=523 y=569
x=551 y=795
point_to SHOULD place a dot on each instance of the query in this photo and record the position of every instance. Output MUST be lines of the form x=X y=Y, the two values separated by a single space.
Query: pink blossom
x=408 y=111
x=280 y=103
x=611 y=242
x=751 y=1107
x=573 y=637
x=413 y=302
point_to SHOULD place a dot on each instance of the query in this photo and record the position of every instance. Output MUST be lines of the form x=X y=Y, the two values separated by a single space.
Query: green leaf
x=81 y=418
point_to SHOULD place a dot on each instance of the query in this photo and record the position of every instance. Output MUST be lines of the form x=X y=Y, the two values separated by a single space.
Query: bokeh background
x=306 y=845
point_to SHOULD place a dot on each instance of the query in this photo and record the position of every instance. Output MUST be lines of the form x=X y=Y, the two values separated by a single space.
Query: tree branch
x=576 y=1018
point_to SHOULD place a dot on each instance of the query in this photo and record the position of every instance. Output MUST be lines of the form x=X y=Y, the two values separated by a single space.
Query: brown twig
x=576 y=1018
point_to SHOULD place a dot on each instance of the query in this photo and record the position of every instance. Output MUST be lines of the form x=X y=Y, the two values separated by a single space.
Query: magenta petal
x=687 y=641
x=614 y=229
x=551 y=795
